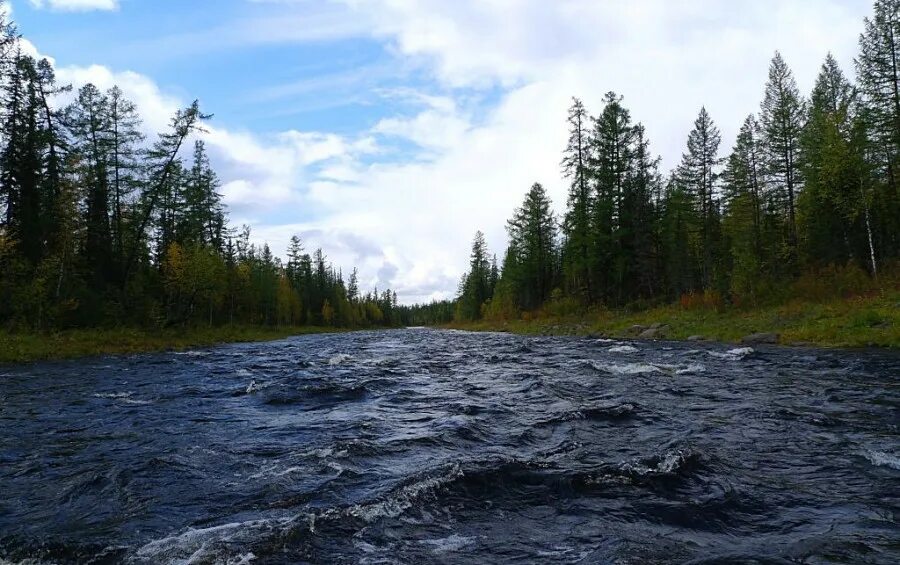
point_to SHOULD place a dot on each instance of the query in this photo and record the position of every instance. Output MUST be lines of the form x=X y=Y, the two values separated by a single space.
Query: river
x=429 y=446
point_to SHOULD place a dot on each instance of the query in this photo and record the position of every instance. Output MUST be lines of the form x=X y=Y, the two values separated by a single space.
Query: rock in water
x=696 y=338
x=762 y=337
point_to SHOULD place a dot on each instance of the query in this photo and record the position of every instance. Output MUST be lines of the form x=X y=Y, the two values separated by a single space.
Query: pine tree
x=677 y=234
x=878 y=70
x=782 y=118
x=639 y=221
x=475 y=288
x=353 y=287
x=125 y=165
x=532 y=237
x=88 y=121
x=698 y=174
x=831 y=201
x=611 y=142
x=744 y=191
x=575 y=164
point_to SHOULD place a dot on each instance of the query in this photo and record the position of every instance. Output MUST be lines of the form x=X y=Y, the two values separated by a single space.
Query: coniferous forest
x=805 y=204
x=103 y=227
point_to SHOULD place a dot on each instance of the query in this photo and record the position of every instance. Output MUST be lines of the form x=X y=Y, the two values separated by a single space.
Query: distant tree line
x=808 y=190
x=100 y=227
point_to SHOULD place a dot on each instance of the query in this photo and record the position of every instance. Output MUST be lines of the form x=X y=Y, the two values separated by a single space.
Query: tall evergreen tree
x=475 y=288
x=577 y=255
x=532 y=238
x=639 y=220
x=88 y=121
x=782 y=118
x=698 y=174
x=612 y=146
x=832 y=201
x=878 y=70
x=125 y=166
x=744 y=193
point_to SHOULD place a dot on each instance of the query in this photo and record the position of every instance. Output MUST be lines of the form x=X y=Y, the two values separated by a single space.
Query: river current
x=428 y=446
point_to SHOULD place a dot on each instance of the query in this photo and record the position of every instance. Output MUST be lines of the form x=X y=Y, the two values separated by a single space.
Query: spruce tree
x=878 y=71
x=612 y=141
x=782 y=118
x=831 y=203
x=698 y=175
x=577 y=223
x=532 y=237
x=743 y=194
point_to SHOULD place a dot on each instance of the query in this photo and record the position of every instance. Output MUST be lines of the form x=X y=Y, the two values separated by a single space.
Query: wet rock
x=637 y=329
x=762 y=337
x=653 y=333
x=696 y=338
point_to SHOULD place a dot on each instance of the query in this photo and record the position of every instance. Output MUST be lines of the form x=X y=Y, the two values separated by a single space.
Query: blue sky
x=388 y=131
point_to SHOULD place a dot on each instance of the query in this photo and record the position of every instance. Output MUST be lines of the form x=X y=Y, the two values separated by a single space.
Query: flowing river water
x=428 y=446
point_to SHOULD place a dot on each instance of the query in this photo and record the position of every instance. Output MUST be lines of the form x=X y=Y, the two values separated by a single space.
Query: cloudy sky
x=388 y=131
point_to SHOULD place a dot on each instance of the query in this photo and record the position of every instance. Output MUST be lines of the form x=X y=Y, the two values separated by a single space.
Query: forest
x=804 y=205
x=101 y=227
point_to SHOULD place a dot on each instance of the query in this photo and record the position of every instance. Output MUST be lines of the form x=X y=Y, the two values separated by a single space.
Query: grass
x=26 y=347
x=868 y=321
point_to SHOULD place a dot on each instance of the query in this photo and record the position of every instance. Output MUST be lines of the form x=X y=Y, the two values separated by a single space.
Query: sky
x=388 y=131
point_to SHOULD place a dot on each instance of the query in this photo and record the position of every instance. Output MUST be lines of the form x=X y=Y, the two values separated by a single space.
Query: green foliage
x=98 y=229
x=805 y=206
x=476 y=286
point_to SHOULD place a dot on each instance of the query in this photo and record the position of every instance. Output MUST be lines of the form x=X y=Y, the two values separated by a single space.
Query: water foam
x=737 y=354
x=335 y=360
x=882 y=459
x=623 y=349
x=631 y=368
x=206 y=545
x=692 y=369
x=397 y=503
x=450 y=543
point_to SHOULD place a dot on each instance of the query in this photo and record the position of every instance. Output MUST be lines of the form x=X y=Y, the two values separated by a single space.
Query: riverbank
x=27 y=347
x=868 y=321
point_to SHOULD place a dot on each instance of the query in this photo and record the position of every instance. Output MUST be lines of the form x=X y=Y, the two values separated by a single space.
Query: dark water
x=421 y=446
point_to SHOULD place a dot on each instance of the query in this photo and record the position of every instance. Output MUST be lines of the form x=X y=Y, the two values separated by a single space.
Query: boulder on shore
x=696 y=338
x=636 y=329
x=762 y=337
x=653 y=333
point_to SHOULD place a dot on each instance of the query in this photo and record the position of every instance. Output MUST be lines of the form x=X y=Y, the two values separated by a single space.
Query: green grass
x=26 y=347
x=855 y=322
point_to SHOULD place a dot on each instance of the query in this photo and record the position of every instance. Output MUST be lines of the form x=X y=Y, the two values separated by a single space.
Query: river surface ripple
x=427 y=446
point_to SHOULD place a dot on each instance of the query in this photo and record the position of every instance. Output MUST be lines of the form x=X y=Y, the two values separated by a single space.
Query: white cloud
x=76 y=5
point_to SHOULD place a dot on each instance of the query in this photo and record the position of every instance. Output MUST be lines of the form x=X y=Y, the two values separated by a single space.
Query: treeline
x=807 y=193
x=101 y=227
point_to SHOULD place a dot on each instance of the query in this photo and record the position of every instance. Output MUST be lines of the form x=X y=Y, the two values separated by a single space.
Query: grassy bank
x=854 y=322
x=24 y=347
